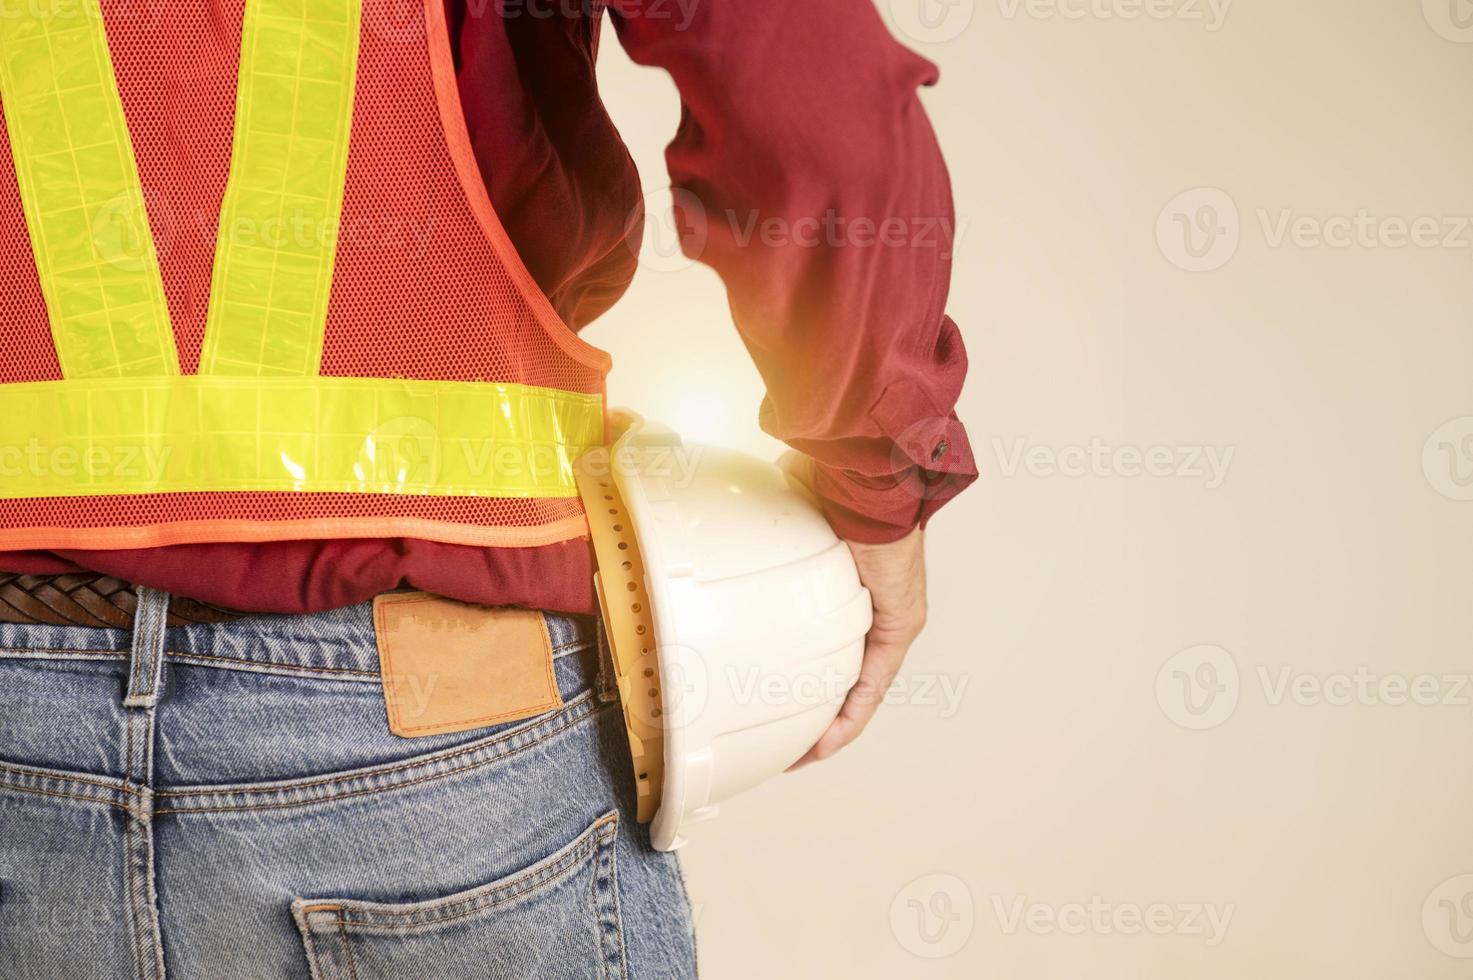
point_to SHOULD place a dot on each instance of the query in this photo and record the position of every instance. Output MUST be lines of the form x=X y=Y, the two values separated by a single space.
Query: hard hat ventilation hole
x=630 y=627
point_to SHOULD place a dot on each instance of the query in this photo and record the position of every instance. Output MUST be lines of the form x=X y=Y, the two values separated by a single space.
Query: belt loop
x=145 y=671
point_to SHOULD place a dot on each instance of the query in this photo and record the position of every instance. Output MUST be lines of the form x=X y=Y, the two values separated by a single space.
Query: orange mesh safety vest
x=254 y=288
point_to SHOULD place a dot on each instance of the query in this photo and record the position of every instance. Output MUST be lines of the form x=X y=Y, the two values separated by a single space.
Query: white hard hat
x=735 y=614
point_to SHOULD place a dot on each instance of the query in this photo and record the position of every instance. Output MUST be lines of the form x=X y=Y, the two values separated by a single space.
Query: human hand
x=895 y=575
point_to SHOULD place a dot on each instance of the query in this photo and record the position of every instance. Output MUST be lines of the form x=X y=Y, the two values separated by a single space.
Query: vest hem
x=256 y=532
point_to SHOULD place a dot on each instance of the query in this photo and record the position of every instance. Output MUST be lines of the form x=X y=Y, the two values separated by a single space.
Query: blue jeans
x=226 y=801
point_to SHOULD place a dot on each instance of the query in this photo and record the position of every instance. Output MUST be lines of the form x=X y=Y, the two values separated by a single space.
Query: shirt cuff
x=932 y=462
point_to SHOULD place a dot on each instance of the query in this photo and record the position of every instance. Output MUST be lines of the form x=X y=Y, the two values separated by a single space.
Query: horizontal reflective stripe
x=324 y=435
x=79 y=185
x=279 y=220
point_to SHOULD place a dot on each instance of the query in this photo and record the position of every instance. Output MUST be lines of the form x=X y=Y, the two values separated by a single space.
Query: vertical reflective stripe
x=82 y=197
x=279 y=219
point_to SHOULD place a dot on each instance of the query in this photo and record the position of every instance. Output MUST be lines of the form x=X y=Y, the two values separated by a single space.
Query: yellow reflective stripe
x=340 y=435
x=81 y=193
x=279 y=219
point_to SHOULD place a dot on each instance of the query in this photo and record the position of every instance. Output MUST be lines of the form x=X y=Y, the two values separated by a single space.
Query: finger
x=881 y=665
x=839 y=734
x=850 y=724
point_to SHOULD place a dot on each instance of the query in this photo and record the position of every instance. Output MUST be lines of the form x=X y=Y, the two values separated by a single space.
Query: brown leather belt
x=89 y=600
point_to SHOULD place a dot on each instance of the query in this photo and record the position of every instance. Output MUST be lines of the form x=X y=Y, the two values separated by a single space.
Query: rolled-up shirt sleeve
x=808 y=176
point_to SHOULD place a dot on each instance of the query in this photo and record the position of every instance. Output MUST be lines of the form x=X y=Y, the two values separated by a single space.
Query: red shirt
x=808 y=177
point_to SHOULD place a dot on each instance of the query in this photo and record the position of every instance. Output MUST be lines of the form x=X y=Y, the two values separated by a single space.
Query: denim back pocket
x=557 y=918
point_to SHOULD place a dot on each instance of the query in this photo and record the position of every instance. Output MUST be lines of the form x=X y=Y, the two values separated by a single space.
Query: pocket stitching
x=615 y=965
x=347 y=947
x=597 y=838
x=288 y=795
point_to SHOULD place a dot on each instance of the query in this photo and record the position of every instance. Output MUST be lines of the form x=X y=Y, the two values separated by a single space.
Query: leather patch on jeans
x=450 y=667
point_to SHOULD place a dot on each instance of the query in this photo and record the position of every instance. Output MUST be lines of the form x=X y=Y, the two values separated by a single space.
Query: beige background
x=1305 y=587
